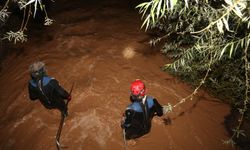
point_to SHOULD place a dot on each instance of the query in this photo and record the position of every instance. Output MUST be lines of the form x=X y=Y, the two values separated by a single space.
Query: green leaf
x=231 y=50
x=242 y=43
x=163 y=9
x=144 y=22
x=247 y=42
x=173 y=3
x=223 y=50
x=142 y=5
x=29 y=2
x=145 y=9
x=159 y=9
x=237 y=11
x=225 y=23
x=229 y=2
x=220 y=26
x=152 y=15
x=186 y=3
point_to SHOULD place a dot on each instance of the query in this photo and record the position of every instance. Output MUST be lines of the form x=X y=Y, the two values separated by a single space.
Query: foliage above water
x=208 y=42
x=27 y=8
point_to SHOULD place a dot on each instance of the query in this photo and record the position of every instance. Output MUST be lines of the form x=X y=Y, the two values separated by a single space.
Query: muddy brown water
x=99 y=46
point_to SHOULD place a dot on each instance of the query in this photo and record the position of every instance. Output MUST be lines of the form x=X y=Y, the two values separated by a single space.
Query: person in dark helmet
x=47 y=89
x=138 y=115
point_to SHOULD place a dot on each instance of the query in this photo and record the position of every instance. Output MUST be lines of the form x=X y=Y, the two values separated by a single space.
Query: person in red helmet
x=138 y=115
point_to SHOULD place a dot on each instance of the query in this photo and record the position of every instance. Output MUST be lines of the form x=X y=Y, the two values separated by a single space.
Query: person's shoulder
x=151 y=100
x=134 y=106
x=149 y=97
x=48 y=79
x=32 y=83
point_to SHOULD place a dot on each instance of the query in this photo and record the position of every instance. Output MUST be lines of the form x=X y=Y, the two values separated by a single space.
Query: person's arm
x=63 y=93
x=158 y=108
x=32 y=92
x=128 y=116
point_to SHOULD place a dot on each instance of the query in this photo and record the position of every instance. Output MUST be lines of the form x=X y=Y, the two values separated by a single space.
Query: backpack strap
x=40 y=87
x=144 y=107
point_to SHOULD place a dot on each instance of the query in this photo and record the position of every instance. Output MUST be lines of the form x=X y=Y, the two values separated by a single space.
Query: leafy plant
x=18 y=36
x=201 y=37
x=25 y=7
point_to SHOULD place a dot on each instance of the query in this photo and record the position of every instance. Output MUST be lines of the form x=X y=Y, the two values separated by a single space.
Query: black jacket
x=49 y=92
x=138 y=116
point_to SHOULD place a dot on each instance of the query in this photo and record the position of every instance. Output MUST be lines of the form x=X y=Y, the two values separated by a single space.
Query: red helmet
x=137 y=88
